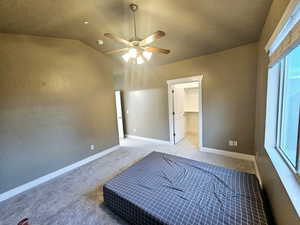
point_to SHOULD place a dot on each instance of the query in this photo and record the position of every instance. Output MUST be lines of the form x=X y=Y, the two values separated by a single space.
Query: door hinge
x=174 y=134
x=173 y=113
x=172 y=91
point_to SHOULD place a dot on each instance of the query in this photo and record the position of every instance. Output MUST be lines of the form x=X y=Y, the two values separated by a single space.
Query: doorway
x=119 y=114
x=185 y=110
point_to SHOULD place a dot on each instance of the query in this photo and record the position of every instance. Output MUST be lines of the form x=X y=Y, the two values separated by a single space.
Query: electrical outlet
x=134 y=130
x=92 y=147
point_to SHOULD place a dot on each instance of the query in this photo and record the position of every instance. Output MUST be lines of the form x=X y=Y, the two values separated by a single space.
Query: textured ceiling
x=193 y=27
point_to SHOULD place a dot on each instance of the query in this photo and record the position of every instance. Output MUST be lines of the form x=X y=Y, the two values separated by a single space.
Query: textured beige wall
x=283 y=211
x=228 y=97
x=56 y=98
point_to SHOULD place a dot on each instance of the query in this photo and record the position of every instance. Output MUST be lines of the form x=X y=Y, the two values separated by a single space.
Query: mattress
x=162 y=189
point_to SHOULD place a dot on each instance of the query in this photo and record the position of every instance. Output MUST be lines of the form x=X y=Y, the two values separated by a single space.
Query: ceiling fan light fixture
x=137 y=50
x=139 y=60
x=132 y=52
x=147 y=55
x=126 y=57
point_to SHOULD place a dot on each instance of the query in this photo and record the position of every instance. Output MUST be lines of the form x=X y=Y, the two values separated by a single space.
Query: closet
x=191 y=111
x=186 y=112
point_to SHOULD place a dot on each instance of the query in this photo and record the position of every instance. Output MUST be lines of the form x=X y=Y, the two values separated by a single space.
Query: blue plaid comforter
x=163 y=189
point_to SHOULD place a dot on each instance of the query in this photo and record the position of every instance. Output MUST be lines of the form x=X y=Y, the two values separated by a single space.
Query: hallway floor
x=190 y=140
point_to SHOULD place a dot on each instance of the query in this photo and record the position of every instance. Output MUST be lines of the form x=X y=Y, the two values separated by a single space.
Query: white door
x=178 y=114
x=119 y=113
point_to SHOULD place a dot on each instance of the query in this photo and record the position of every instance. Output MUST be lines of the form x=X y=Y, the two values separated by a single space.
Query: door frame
x=119 y=93
x=183 y=80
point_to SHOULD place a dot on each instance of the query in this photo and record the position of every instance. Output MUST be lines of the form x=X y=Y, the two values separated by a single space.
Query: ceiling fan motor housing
x=133 y=7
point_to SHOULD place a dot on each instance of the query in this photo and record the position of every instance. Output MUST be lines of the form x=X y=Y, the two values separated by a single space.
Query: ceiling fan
x=137 y=50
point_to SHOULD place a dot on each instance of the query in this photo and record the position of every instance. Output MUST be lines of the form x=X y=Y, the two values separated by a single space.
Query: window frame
x=280 y=117
x=298 y=150
x=287 y=174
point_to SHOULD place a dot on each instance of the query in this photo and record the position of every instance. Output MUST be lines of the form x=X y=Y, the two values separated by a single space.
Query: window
x=282 y=125
x=289 y=107
x=282 y=131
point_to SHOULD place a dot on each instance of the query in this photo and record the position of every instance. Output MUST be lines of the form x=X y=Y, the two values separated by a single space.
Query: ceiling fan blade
x=117 y=51
x=116 y=38
x=153 y=37
x=157 y=50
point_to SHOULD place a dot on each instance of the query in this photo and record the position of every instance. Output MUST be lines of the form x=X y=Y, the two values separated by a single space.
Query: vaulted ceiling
x=193 y=27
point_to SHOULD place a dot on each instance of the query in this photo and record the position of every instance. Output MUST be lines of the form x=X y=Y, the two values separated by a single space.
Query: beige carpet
x=76 y=197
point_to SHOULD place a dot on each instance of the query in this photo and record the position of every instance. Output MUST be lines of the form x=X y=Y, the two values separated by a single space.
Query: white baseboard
x=257 y=173
x=237 y=156
x=147 y=139
x=43 y=179
x=229 y=154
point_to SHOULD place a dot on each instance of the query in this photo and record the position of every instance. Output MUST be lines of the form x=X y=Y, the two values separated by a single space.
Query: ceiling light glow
x=126 y=57
x=132 y=52
x=147 y=55
x=139 y=60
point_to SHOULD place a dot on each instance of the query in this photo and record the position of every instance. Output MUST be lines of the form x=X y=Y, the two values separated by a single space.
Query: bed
x=162 y=189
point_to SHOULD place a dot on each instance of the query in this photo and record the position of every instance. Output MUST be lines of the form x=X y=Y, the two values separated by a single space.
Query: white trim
x=283 y=21
x=147 y=139
x=229 y=154
x=257 y=173
x=183 y=80
x=194 y=84
x=288 y=178
x=236 y=155
x=50 y=176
